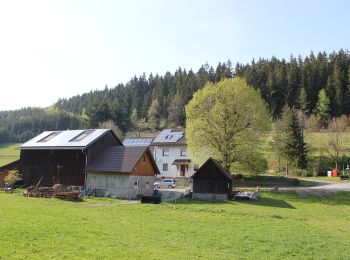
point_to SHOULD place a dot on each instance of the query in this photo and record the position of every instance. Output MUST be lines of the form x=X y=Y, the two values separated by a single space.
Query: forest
x=158 y=101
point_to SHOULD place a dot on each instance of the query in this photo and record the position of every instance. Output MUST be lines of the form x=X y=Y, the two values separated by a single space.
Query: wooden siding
x=53 y=166
x=64 y=166
x=144 y=168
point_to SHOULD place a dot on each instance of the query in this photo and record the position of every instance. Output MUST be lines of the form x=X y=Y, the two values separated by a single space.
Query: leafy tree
x=225 y=120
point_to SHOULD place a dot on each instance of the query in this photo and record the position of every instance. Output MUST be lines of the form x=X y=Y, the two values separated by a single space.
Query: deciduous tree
x=225 y=120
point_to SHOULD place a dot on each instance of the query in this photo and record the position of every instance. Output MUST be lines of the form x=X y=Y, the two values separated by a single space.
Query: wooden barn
x=212 y=182
x=60 y=157
x=122 y=172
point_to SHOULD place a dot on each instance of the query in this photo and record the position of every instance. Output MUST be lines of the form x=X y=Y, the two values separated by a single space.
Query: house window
x=166 y=152
x=136 y=184
x=165 y=167
x=183 y=152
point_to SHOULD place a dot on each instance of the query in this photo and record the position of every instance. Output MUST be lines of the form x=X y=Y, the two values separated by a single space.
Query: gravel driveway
x=321 y=188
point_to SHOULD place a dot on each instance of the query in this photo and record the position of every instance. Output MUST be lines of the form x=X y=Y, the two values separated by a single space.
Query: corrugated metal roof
x=137 y=141
x=70 y=139
x=120 y=159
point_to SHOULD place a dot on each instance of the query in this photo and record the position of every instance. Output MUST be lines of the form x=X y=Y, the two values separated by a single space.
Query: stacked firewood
x=57 y=191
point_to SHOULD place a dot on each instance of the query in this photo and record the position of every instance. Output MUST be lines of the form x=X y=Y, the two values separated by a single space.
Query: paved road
x=321 y=188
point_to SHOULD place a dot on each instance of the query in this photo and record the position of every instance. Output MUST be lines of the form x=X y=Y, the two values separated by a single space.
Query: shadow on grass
x=265 y=202
x=268 y=202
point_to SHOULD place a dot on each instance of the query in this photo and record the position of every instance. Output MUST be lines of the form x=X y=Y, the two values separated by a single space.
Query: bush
x=300 y=172
x=11 y=177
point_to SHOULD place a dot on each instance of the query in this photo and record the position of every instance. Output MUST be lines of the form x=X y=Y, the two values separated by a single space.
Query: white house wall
x=174 y=153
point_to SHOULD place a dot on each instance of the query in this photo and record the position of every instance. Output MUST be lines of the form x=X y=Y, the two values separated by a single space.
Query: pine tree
x=153 y=115
x=322 y=107
x=294 y=148
x=303 y=103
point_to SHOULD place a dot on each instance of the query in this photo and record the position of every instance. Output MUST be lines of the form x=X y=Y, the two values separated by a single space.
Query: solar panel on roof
x=137 y=141
x=49 y=137
x=168 y=136
x=82 y=135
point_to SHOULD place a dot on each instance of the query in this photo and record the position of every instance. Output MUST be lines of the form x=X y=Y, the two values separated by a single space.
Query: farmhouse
x=170 y=152
x=122 y=171
x=212 y=182
x=60 y=157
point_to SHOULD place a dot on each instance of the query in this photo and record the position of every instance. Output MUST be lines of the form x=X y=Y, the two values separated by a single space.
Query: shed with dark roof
x=212 y=182
x=122 y=171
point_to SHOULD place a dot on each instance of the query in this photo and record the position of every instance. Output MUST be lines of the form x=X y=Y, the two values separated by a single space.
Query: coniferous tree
x=294 y=148
x=153 y=115
x=322 y=107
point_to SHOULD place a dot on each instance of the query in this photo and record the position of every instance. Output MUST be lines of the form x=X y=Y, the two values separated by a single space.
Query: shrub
x=300 y=172
x=11 y=177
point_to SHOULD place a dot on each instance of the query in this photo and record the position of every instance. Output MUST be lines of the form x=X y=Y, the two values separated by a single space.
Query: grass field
x=280 y=226
x=9 y=152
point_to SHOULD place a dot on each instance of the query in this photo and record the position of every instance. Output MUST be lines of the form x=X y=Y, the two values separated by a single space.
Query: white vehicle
x=165 y=183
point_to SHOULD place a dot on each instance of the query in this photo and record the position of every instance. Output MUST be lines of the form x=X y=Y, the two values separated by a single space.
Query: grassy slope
x=9 y=152
x=279 y=226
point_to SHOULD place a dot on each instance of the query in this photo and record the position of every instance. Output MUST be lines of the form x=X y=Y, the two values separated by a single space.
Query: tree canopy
x=225 y=120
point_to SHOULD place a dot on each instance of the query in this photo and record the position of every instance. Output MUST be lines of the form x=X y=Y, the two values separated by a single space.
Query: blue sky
x=51 y=49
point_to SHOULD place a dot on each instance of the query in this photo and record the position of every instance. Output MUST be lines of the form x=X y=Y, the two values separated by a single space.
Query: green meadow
x=279 y=226
x=9 y=152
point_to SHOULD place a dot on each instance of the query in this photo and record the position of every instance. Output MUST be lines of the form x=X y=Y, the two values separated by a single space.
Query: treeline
x=158 y=101
x=298 y=82
x=23 y=124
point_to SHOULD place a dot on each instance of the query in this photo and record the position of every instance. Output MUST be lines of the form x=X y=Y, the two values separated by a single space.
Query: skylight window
x=49 y=137
x=81 y=136
x=168 y=136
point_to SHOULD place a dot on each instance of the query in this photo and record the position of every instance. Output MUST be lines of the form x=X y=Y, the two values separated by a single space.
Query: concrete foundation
x=209 y=196
x=120 y=186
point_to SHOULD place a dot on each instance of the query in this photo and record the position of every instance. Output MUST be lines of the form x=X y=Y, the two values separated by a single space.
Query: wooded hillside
x=158 y=101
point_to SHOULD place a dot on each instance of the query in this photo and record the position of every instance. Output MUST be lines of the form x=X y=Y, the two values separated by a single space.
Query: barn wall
x=210 y=196
x=215 y=186
x=55 y=166
x=120 y=186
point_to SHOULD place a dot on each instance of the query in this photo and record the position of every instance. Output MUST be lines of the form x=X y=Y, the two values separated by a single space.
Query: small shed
x=122 y=172
x=212 y=182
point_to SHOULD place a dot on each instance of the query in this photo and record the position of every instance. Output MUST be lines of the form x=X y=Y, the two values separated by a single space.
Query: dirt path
x=321 y=188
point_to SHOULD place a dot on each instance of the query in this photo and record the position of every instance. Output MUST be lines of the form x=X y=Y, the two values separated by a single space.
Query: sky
x=57 y=49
